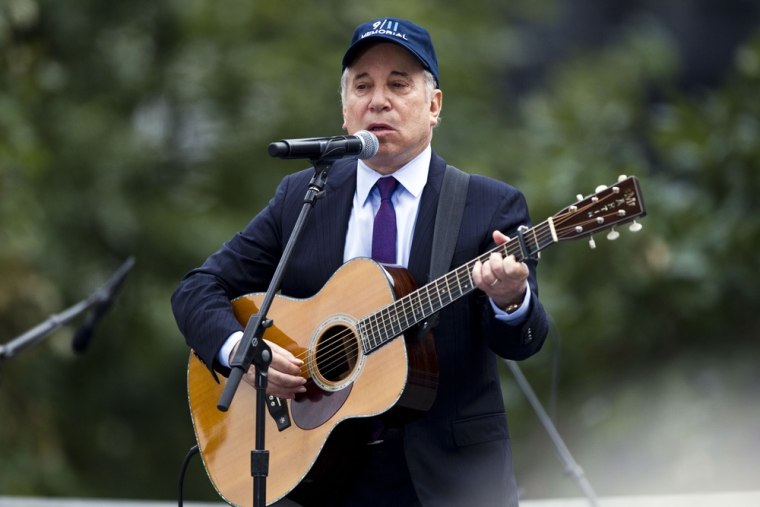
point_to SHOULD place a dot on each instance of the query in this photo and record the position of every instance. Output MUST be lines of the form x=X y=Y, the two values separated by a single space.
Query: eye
x=400 y=85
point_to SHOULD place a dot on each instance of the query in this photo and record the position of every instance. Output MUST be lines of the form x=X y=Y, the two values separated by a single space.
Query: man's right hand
x=284 y=378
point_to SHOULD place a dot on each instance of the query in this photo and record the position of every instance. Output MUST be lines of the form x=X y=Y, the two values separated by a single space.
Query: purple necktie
x=384 y=229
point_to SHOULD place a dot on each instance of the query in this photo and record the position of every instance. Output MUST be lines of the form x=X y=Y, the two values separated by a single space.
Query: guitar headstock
x=609 y=206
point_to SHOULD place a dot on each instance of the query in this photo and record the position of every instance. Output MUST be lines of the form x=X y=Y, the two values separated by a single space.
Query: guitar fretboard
x=380 y=327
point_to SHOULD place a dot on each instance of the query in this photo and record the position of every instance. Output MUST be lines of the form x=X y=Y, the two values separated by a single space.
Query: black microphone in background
x=100 y=303
x=363 y=144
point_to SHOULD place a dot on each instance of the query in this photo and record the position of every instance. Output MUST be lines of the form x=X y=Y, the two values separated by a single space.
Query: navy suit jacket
x=459 y=452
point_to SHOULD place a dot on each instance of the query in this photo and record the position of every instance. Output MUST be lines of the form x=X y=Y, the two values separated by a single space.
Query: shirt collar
x=412 y=176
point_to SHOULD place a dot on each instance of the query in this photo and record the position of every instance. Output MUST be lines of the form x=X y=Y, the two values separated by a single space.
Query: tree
x=140 y=128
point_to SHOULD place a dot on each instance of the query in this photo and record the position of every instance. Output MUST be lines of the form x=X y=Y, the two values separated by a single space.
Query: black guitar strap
x=448 y=219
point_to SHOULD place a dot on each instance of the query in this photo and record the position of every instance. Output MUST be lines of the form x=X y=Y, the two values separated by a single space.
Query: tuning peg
x=600 y=188
x=591 y=242
x=634 y=227
x=613 y=235
x=622 y=177
x=579 y=197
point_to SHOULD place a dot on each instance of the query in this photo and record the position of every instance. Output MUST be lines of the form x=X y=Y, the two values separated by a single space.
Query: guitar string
x=330 y=354
x=385 y=328
x=338 y=341
x=431 y=292
x=378 y=325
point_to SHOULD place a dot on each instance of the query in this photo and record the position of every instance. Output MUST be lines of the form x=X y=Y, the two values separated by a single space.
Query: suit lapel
x=422 y=243
x=334 y=208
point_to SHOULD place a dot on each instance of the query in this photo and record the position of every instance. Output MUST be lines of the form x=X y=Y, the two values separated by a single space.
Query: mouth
x=379 y=128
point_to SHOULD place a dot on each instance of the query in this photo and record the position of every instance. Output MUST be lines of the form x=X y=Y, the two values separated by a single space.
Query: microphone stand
x=101 y=298
x=253 y=349
x=571 y=466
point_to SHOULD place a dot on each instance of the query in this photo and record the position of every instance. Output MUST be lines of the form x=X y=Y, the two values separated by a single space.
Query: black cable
x=192 y=452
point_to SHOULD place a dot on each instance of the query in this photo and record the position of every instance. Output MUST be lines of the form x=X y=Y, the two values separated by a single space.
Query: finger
x=279 y=384
x=514 y=269
x=487 y=277
x=499 y=238
x=477 y=274
x=496 y=266
x=285 y=378
x=284 y=382
x=283 y=353
x=283 y=360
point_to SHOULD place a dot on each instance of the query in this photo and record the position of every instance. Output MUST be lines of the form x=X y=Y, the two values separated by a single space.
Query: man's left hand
x=503 y=279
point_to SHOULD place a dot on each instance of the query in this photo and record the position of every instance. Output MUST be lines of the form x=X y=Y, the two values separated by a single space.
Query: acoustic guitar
x=355 y=363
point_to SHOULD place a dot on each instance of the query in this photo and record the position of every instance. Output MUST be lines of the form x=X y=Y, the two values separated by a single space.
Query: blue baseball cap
x=412 y=37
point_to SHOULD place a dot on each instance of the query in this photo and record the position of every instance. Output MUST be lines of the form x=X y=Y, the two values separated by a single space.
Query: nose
x=379 y=100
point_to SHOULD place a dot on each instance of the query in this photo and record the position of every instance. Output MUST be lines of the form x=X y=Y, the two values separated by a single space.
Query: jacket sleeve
x=522 y=339
x=244 y=264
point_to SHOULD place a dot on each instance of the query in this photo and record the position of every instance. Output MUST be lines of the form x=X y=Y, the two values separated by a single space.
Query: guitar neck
x=607 y=207
x=392 y=320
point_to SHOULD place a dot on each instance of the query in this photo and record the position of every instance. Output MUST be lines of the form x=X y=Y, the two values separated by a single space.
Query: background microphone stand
x=571 y=466
x=253 y=349
x=100 y=300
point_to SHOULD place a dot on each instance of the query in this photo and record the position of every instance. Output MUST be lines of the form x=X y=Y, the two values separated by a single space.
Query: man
x=458 y=453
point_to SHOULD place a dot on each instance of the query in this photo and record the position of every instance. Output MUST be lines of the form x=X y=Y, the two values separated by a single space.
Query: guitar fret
x=457 y=277
x=362 y=336
x=404 y=311
x=384 y=323
x=411 y=308
x=535 y=239
x=391 y=327
x=463 y=275
x=375 y=331
x=428 y=305
x=434 y=299
x=365 y=335
x=441 y=291
x=418 y=313
x=459 y=289
x=449 y=297
x=390 y=321
x=431 y=293
x=394 y=322
x=438 y=293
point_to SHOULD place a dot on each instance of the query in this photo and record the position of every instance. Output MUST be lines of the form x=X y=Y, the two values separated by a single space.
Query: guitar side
x=376 y=384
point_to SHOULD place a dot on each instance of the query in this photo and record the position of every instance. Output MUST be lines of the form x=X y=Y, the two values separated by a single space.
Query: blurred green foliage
x=140 y=128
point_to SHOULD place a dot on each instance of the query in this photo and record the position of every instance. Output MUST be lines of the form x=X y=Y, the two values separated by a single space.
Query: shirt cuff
x=516 y=316
x=223 y=356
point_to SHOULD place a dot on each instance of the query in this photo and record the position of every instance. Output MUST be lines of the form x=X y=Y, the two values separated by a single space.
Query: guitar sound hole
x=337 y=353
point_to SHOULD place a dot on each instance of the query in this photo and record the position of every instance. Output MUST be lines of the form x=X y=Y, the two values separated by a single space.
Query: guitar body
x=343 y=382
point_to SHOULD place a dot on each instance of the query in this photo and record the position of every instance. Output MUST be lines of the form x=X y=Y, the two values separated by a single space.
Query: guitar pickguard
x=316 y=406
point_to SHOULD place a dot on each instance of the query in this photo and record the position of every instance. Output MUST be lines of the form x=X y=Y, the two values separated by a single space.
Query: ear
x=436 y=104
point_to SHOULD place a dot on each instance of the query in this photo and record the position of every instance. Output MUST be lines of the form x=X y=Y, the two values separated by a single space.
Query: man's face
x=385 y=94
